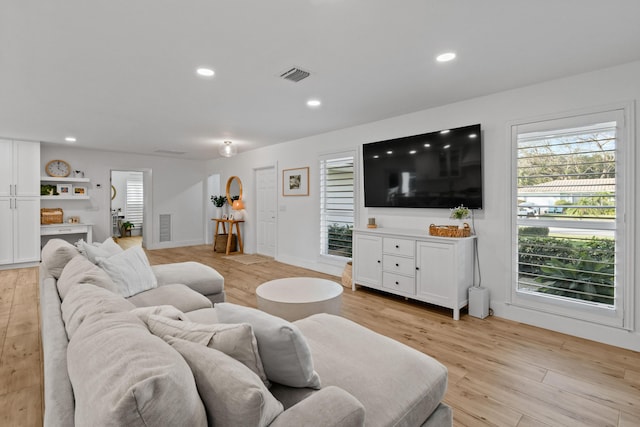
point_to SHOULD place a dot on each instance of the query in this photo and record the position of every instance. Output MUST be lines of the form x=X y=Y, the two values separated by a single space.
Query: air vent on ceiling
x=295 y=74
x=170 y=152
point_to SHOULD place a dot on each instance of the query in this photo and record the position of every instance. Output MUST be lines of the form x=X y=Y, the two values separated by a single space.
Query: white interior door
x=266 y=201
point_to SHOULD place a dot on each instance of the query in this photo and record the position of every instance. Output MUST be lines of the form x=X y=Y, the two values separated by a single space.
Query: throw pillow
x=124 y=376
x=234 y=340
x=81 y=270
x=104 y=250
x=167 y=311
x=130 y=270
x=56 y=253
x=90 y=302
x=284 y=350
x=231 y=393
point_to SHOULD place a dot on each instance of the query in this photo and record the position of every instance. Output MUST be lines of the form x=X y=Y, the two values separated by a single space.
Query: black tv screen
x=440 y=169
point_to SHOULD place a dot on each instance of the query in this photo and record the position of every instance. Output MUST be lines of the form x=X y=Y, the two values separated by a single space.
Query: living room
x=178 y=186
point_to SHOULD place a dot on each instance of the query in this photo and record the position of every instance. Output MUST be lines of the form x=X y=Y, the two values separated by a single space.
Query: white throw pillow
x=130 y=271
x=231 y=393
x=285 y=354
x=235 y=340
x=82 y=271
x=168 y=311
x=104 y=250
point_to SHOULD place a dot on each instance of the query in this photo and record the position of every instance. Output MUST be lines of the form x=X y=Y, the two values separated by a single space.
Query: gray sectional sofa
x=165 y=356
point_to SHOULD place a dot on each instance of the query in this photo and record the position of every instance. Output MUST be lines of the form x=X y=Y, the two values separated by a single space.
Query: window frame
x=622 y=315
x=328 y=157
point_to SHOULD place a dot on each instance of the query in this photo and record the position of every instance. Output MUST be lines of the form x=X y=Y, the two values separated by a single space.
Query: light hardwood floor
x=500 y=372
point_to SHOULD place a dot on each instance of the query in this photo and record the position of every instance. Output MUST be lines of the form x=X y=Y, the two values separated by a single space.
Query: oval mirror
x=234 y=189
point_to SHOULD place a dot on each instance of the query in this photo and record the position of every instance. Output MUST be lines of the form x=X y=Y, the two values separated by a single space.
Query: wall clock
x=58 y=168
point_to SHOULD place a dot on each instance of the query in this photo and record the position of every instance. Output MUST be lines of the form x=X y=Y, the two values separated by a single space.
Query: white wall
x=298 y=217
x=177 y=188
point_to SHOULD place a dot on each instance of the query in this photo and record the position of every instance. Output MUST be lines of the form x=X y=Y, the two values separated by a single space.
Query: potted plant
x=460 y=213
x=125 y=228
x=218 y=202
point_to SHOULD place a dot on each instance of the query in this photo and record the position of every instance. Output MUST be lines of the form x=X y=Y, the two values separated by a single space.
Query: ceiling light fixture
x=227 y=150
x=427 y=145
x=446 y=57
x=412 y=152
x=473 y=135
x=70 y=139
x=313 y=103
x=205 y=72
x=442 y=132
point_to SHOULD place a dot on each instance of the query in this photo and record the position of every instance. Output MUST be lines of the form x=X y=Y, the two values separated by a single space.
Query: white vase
x=218 y=212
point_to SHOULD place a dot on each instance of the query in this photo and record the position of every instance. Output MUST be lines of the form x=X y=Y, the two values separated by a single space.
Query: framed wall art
x=79 y=191
x=295 y=182
x=64 y=189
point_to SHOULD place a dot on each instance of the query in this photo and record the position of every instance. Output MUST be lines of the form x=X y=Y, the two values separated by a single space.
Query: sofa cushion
x=81 y=270
x=197 y=276
x=124 y=376
x=234 y=340
x=94 y=251
x=414 y=383
x=169 y=311
x=89 y=302
x=179 y=296
x=130 y=270
x=56 y=253
x=284 y=351
x=232 y=394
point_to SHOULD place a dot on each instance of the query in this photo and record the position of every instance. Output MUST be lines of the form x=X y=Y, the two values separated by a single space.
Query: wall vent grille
x=165 y=227
x=295 y=74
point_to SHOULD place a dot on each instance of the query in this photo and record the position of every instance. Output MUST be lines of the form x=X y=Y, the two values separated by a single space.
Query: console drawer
x=399 y=265
x=399 y=283
x=399 y=246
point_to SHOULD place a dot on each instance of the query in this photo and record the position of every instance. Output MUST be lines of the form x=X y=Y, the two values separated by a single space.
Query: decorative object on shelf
x=64 y=189
x=238 y=209
x=48 y=190
x=450 y=230
x=295 y=182
x=224 y=216
x=51 y=216
x=58 y=168
x=74 y=220
x=372 y=223
x=80 y=191
x=78 y=174
x=227 y=150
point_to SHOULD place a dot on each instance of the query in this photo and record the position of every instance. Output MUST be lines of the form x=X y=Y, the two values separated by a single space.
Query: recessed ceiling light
x=473 y=135
x=412 y=152
x=70 y=139
x=445 y=131
x=446 y=146
x=314 y=103
x=376 y=157
x=427 y=145
x=389 y=152
x=205 y=72
x=446 y=57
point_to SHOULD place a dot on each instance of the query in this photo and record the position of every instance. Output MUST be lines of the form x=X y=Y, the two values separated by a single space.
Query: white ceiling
x=120 y=75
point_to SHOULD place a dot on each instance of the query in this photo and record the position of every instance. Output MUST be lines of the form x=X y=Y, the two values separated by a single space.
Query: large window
x=337 y=185
x=569 y=204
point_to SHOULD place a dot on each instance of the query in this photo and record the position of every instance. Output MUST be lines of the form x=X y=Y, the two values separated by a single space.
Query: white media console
x=413 y=264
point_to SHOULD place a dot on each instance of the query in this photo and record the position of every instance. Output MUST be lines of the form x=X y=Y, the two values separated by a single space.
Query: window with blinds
x=134 y=208
x=568 y=222
x=337 y=183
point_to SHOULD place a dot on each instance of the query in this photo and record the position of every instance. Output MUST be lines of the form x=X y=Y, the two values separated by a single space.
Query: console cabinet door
x=367 y=260
x=6 y=230
x=435 y=273
x=26 y=220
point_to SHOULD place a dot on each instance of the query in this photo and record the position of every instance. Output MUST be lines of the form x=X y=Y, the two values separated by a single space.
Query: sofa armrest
x=329 y=407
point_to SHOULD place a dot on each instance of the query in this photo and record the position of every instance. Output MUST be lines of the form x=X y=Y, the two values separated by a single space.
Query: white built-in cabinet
x=19 y=202
x=437 y=270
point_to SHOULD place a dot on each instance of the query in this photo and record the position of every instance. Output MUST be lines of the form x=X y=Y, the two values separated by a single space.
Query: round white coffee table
x=295 y=298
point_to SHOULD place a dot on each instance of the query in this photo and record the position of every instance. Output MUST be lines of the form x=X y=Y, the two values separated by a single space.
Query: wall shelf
x=60 y=197
x=62 y=179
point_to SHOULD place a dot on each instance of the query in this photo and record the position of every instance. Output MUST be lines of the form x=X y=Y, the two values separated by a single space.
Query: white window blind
x=337 y=183
x=568 y=227
x=134 y=208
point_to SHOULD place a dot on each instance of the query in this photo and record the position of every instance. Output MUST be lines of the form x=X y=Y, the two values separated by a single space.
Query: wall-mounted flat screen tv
x=440 y=169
